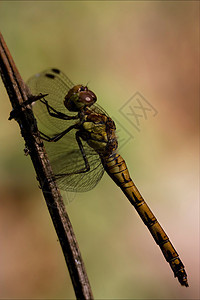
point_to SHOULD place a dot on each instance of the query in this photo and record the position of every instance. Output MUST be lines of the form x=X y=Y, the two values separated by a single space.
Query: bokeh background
x=120 y=48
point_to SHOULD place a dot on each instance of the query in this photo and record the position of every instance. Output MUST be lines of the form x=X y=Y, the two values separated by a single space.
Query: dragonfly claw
x=14 y=114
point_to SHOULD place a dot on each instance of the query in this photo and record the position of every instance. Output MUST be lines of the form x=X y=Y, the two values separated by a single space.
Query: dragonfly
x=80 y=139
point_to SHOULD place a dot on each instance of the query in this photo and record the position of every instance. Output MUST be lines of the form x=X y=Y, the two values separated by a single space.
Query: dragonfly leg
x=87 y=166
x=58 y=136
x=14 y=114
x=55 y=113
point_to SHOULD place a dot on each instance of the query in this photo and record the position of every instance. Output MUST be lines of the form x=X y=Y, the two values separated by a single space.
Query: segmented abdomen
x=116 y=168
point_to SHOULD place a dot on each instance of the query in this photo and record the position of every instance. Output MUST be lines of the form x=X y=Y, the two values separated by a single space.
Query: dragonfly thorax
x=99 y=132
x=79 y=97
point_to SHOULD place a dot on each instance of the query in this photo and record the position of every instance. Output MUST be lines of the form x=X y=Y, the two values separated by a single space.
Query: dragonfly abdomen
x=116 y=168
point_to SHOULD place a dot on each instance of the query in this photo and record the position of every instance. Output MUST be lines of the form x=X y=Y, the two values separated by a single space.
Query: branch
x=19 y=93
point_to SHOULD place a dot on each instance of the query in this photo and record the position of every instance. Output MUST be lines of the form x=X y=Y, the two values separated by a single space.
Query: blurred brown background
x=120 y=48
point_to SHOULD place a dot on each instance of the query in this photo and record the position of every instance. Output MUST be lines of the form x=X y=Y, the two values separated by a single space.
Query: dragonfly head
x=79 y=97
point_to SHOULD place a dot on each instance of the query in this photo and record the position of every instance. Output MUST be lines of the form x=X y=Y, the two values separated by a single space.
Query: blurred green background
x=119 y=48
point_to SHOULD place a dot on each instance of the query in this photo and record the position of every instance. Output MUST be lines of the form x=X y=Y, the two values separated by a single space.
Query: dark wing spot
x=50 y=76
x=55 y=71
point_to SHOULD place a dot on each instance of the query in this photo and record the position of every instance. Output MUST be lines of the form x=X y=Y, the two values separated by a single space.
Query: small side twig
x=18 y=94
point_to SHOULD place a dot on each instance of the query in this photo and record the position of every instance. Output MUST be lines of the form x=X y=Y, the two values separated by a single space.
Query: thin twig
x=18 y=94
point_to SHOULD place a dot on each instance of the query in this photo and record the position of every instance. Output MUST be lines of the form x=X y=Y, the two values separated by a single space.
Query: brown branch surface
x=18 y=94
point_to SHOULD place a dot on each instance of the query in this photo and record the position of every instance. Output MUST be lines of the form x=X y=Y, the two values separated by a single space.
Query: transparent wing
x=65 y=155
x=56 y=84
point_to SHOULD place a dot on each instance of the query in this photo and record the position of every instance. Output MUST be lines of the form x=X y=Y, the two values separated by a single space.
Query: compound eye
x=87 y=97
